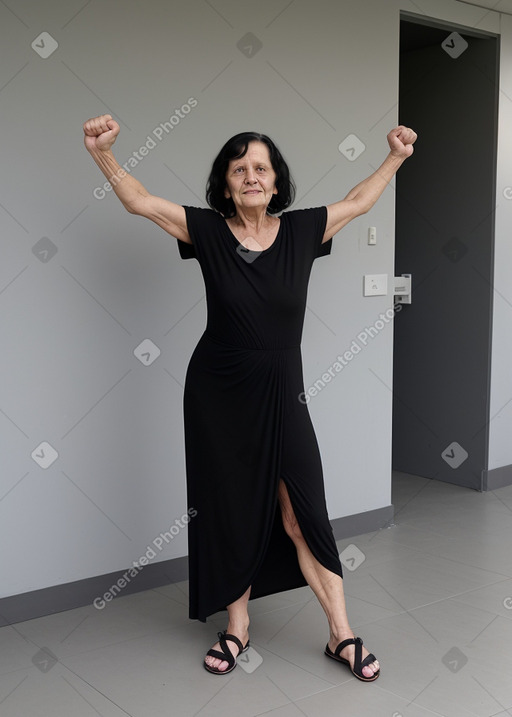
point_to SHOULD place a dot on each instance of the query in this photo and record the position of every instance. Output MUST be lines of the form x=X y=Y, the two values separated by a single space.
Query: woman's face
x=250 y=180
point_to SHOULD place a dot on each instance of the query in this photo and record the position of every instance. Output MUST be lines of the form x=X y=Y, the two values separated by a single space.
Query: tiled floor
x=432 y=599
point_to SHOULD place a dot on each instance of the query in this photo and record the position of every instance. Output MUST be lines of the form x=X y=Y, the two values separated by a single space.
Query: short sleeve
x=187 y=251
x=309 y=225
x=320 y=224
x=199 y=223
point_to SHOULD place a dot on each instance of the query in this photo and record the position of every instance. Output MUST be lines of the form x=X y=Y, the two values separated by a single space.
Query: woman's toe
x=375 y=667
x=215 y=663
x=210 y=661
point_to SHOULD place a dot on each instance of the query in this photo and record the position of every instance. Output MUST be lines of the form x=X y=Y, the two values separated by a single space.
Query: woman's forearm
x=370 y=189
x=127 y=188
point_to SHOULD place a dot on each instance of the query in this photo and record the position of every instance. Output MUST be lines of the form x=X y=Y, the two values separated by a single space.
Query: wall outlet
x=375 y=285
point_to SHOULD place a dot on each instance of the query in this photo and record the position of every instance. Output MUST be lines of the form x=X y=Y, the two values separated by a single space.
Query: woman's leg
x=238 y=625
x=327 y=586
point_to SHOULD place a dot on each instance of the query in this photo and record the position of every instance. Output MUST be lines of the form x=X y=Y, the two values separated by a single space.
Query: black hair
x=235 y=148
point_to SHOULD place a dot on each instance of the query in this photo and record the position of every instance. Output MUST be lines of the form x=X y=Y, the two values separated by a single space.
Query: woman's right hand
x=100 y=133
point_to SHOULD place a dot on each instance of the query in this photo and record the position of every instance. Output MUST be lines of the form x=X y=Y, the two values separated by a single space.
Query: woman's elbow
x=360 y=207
x=133 y=207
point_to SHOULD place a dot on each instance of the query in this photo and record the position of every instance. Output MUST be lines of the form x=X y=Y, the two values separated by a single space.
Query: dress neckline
x=255 y=251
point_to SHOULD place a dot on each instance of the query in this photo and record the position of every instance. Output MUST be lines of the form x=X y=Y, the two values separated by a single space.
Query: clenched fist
x=100 y=133
x=400 y=141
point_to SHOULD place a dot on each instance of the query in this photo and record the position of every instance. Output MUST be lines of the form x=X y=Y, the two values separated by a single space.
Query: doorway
x=445 y=201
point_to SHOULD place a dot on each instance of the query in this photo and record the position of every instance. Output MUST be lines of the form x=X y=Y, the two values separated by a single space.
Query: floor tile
x=431 y=596
x=365 y=700
x=16 y=650
x=415 y=580
x=52 y=689
x=290 y=710
x=87 y=628
x=484 y=551
x=496 y=598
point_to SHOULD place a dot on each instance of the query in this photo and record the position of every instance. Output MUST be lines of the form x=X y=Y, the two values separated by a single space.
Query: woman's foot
x=348 y=653
x=216 y=663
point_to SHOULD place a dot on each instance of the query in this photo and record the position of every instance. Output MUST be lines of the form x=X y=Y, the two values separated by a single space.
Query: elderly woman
x=254 y=473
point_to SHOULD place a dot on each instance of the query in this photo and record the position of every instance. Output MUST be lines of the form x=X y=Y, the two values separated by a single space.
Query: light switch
x=372 y=235
x=375 y=285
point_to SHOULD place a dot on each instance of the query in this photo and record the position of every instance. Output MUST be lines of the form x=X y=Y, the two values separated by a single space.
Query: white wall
x=69 y=326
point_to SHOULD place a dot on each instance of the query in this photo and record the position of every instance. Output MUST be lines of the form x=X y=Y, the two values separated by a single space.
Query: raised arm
x=362 y=197
x=99 y=135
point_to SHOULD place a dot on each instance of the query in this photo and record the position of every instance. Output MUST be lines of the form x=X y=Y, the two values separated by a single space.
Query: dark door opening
x=445 y=201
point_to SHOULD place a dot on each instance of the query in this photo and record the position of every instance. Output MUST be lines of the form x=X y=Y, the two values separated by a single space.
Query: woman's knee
x=290 y=521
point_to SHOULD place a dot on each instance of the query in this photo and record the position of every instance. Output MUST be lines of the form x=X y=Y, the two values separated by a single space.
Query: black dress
x=245 y=423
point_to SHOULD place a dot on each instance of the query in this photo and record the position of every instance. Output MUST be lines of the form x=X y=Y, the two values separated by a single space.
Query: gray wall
x=70 y=321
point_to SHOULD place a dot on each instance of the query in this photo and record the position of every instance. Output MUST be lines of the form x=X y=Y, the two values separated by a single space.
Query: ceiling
x=497 y=5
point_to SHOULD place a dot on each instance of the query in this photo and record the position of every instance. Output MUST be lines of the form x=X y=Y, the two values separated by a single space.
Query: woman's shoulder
x=303 y=212
x=202 y=219
x=204 y=213
x=305 y=216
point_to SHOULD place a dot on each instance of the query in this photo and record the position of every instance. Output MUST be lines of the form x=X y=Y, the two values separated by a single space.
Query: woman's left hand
x=401 y=140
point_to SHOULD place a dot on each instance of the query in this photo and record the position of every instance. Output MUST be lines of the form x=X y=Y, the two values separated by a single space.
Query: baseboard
x=497 y=478
x=58 y=598
x=371 y=520
x=68 y=596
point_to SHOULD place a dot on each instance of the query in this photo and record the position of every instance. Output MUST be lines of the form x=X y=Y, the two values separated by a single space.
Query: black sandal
x=226 y=653
x=358 y=664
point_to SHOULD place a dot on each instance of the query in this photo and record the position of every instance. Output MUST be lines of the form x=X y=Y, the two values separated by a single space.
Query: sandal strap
x=226 y=653
x=222 y=656
x=358 y=655
x=350 y=641
x=367 y=660
x=358 y=662
x=224 y=636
